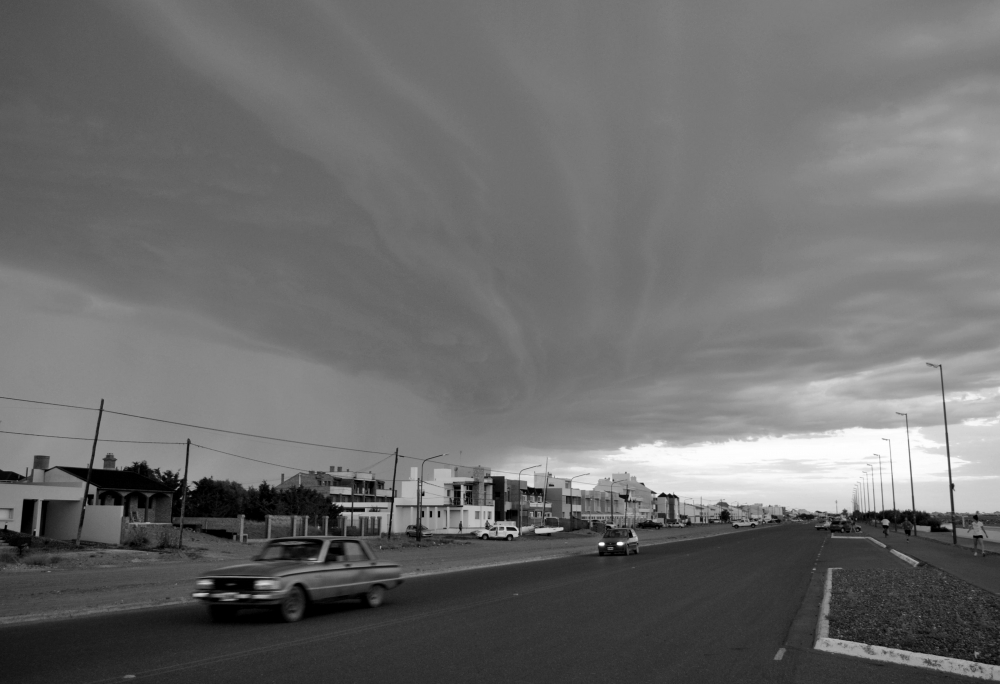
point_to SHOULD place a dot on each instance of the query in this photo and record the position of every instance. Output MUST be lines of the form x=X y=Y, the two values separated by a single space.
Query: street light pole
x=881 y=484
x=420 y=496
x=519 y=521
x=947 y=446
x=892 y=480
x=874 y=498
x=913 y=499
x=571 y=528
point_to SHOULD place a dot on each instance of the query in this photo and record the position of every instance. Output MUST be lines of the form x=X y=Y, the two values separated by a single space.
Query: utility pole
x=90 y=469
x=947 y=447
x=184 y=494
x=392 y=500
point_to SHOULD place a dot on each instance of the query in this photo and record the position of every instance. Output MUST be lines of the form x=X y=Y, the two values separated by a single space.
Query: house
x=363 y=497
x=461 y=494
x=49 y=502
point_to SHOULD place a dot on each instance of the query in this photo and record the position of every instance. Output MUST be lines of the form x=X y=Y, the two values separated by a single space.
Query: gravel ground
x=922 y=610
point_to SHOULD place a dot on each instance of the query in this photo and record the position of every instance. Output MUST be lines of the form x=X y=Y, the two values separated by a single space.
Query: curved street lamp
x=874 y=498
x=519 y=521
x=947 y=447
x=881 y=484
x=420 y=496
x=913 y=499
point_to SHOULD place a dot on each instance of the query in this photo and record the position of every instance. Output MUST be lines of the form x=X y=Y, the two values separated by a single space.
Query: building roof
x=10 y=475
x=117 y=479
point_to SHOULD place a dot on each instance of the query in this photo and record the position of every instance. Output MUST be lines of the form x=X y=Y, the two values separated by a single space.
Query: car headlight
x=620 y=544
x=266 y=585
x=600 y=543
x=205 y=584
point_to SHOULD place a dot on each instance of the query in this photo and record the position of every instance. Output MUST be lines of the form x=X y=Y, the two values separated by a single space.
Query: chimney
x=40 y=465
x=109 y=461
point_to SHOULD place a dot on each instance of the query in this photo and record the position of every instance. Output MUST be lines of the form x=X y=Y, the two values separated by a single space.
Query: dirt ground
x=59 y=580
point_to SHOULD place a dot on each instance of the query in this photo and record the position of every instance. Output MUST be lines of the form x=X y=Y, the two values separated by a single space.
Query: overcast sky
x=712 y=244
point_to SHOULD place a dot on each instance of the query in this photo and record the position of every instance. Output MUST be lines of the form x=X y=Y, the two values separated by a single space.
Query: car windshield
x=292 y=549
x=616 y=533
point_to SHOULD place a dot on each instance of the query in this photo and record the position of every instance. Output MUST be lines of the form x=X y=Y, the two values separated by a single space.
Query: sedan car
x=292 y=572
x=650 y=524
x=411 y=531
x=618 y=540
x=745 y=523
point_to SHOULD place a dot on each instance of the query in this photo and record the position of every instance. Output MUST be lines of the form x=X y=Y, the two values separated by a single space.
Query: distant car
x=844 y=526
x=501 y=530
x=676 y=523
x=823 y=524
x=411 y=531
x=618 y=540
x=289 y=573
x=650 y=524
x=745 y=523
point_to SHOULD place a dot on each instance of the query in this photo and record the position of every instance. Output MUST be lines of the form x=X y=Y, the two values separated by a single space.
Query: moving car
x=501 y=530
x=650 y=524
x=618 y=540
x=411 y=531
x=823 y=524
x=745 y=523
x=292 y=572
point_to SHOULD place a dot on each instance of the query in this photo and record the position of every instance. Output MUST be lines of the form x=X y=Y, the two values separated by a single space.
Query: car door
x=335 y=573
x=361 y=568
x=633 y=539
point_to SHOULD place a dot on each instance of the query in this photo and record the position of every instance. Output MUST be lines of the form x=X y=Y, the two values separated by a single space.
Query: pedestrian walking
x=460 y=527
x=885 y=527
x=978 y=533
x=907 y=527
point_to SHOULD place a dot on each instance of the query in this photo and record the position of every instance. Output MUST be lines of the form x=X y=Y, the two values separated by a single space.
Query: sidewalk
x=936 y=549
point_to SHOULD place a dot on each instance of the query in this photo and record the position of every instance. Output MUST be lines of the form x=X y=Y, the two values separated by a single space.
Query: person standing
x=885 y=527
x=907 y=527
x=460 y=527
x=978 y=533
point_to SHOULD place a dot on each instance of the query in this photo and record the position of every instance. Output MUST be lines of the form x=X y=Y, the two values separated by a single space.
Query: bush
x=136 y=537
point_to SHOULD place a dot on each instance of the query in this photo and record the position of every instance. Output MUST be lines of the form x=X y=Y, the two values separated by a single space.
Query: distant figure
x=978 y=533
x=885 y=527
x=460 y=527
x=907 y=526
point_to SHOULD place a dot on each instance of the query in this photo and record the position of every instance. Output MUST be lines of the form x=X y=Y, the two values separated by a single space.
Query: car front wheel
x=374 y=597
x=293 y=607
x=484 y=537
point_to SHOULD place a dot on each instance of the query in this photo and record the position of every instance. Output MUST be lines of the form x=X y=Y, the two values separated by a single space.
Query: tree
x=724 y=515
x=213 y=498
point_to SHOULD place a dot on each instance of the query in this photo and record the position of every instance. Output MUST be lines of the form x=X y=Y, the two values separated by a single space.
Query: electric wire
x=88 y=439
x=48 y=403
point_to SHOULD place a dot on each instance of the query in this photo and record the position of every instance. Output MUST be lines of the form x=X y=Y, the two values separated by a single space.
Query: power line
x=246 y=458
x=47 y=403
x=247 y=434
x=88 y=439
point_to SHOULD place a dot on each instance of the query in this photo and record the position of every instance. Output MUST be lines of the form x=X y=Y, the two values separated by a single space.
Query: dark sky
x=709 y=243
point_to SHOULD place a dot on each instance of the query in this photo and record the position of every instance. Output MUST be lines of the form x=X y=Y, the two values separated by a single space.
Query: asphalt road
x=708 y=610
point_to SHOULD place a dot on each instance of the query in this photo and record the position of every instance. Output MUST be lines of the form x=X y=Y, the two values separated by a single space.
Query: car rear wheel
x=374 y=597
x=510 y=537
x=221 y=613
x=293 y=607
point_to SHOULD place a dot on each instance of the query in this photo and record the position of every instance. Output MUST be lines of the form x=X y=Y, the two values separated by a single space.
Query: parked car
x=411 y=531
x=823 y=524
x=745 y=523
x=650 y=524
x=842 y=525
x=501 y=530
x=618 y=540
x=676 y=523
x=289 y=573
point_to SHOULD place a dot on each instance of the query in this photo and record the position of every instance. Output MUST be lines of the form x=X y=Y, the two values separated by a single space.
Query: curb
x=884 y=654
x=906 y=559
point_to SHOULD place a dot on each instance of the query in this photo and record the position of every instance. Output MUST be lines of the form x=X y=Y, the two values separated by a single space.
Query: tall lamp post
x=892 y=480
x=913 y=499
x=420 y=496
x=571 y=528
x=947 y=447
x=874 y=498
x=519 y=521
x=881 y=484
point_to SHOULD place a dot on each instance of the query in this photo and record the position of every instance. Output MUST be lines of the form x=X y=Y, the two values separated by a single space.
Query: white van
x=500 y=530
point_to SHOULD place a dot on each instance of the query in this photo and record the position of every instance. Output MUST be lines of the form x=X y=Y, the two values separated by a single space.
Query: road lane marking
x=780 y=654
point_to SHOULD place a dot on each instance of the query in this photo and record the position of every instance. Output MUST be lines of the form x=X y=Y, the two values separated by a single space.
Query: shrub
x=136 y=537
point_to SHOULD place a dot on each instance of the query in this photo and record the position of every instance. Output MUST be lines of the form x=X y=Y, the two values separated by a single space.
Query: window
x=6 y=513
x=354 y=552
x=477 y=515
